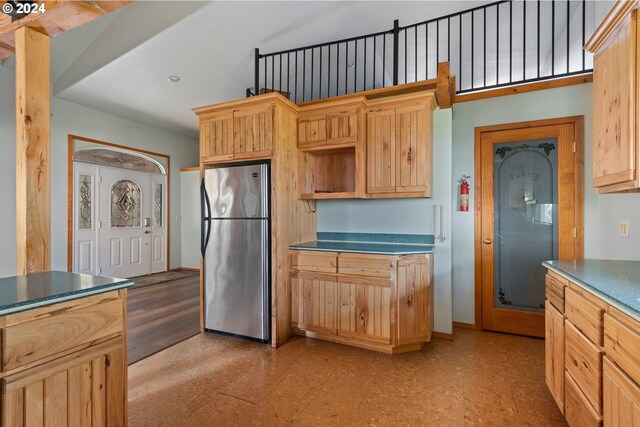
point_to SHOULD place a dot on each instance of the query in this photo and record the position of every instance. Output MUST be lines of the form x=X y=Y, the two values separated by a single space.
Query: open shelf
x=329 y=174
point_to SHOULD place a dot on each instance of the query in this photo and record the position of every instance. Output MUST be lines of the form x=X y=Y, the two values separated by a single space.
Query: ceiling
x=120 y=62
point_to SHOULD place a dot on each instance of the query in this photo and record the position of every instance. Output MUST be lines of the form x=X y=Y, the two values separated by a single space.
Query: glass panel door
x=525 y=221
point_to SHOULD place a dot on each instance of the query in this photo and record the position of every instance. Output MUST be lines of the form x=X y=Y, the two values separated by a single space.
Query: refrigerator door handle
x=206 y=220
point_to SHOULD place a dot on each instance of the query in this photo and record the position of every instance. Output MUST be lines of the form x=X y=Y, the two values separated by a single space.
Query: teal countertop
x=370 y=243
x=616 y=282
x=22 y=293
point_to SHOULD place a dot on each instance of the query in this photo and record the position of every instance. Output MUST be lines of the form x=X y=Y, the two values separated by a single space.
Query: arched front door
x=119 y=220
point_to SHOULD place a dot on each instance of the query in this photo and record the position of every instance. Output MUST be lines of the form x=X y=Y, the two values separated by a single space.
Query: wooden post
x=33 y=181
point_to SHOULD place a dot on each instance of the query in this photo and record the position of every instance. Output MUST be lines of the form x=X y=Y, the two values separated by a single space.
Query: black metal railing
x=490 y=46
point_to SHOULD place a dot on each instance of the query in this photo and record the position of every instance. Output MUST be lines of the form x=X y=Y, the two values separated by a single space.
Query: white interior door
x=124 y=223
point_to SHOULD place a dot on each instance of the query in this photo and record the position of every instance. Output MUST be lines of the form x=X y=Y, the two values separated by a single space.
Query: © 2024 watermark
x=22 y=8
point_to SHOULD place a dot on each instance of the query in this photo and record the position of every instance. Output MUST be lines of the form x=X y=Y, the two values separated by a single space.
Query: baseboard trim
x=462 y=325
x=193 y=270
x=442 y=336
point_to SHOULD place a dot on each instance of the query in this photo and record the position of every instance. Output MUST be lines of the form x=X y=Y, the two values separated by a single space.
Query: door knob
x=147 y=231
x=487 y=241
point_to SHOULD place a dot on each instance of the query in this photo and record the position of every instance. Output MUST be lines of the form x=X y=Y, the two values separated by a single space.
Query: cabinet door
x=621 y=397
x=216 y=138
x=414 y=294
x=314 y=302
x=252 y=132
x=85 y=393
x=413 y=145
x=554 y=353
x=614 y=110
x=365 y=311
x=342 y=127
x=312 y=130
x=381 y=151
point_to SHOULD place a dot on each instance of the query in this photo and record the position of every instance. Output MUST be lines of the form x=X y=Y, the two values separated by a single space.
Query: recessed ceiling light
x=174 y=79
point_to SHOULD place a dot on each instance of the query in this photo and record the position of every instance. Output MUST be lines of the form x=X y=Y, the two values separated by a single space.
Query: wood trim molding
x=191 y=169
x=462 y=325
x=524 y=88
x=616 y=15
x=70 y=139
x=380 y=93
x=578 y=197
x=442 y=336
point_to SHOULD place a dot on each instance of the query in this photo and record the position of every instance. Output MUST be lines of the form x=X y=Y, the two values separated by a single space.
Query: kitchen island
x=64 y=350
x=373 y=291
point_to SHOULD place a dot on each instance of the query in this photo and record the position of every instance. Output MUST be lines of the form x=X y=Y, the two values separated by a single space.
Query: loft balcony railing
x=490 y=46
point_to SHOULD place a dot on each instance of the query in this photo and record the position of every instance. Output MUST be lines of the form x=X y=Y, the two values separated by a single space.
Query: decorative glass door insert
x=125 y=204
x=525 y=221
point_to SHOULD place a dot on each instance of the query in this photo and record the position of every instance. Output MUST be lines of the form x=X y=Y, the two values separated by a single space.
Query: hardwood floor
x=161 y=315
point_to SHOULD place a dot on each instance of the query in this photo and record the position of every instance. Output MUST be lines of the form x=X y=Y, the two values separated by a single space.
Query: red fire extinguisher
x=464 y=193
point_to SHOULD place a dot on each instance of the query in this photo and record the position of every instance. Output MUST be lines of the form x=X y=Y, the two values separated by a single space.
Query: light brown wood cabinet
x=378 y=302
x=616 y=142
x=237 y=132
x=331 y=143
x=65 y=364
x=357 y=148
x=399 y=146
x=259 y=128
x=599 y=368
x=554 y=353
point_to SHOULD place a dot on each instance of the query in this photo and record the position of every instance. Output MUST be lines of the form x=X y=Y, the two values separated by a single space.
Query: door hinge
x=99 y=270
x=99 y=224
x=99 y=178
x=575 y=233
x=574 y=146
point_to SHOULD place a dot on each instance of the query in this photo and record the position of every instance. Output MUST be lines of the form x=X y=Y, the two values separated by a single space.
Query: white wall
x=408 y=216
x=190 y=192
x=601 y=212
x=71 y=118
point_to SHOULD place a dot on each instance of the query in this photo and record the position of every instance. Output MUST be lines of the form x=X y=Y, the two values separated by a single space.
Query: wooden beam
x=59 y=16
x=524 y=88
x=33 y=181
x=443 y=86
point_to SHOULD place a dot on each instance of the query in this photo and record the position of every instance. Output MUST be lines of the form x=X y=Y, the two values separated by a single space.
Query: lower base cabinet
x=378 y=302
x=592 y=363
x=554 y=353
x=66 y=364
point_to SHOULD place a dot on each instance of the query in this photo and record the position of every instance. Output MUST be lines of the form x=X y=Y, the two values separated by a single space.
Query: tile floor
x=480 y=378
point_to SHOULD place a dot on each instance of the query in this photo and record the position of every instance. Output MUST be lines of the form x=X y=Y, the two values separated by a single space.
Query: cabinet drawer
x=365 y=265
x=321 y=262
x=583 y=360
x=32 y=341
x=585 y=313
x=622 y=343
x=577 y=410
x=554 y=292
x=621 y=397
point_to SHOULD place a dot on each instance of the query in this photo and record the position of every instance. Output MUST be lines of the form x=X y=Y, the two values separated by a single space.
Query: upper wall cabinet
x=332 y=149
x=399 y=146
x=616 y=143
x=236 y=133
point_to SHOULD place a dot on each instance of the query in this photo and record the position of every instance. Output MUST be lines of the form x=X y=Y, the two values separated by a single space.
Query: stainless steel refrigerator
x=236 y=251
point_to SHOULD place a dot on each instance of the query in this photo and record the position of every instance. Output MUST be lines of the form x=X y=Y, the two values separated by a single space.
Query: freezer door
x=236 y=278
x=238 y=192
